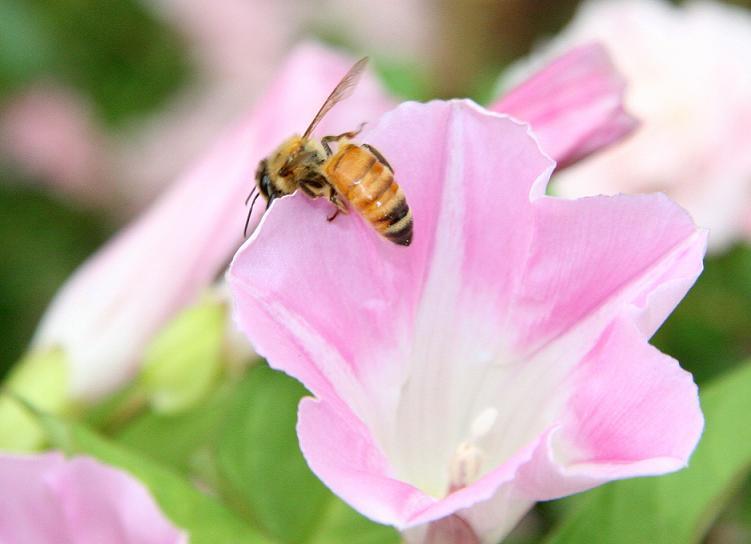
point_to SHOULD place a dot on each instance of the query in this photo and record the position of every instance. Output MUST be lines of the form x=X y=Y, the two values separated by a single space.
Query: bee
x=356 y=176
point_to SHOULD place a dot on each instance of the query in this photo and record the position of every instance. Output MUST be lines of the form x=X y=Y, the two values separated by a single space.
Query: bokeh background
x=104 y=102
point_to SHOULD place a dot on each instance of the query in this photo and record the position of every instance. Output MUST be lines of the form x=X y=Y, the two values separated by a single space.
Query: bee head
x=263 y=181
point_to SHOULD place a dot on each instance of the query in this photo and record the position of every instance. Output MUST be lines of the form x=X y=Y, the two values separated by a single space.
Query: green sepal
x=40 y=380
x=184 y=362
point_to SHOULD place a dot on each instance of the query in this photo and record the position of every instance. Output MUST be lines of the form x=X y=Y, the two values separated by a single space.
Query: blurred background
x=104 y=102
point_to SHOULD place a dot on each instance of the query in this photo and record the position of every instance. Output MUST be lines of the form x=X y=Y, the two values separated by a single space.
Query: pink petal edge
x=574 y=104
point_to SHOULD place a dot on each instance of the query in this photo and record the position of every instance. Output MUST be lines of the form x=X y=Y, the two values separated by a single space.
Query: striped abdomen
x=368 y=185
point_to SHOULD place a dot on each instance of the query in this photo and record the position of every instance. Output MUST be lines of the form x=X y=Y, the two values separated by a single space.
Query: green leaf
x=25 y=48
x=342 y=525
x=266 y=476
x=205 y=519
x=708 y=332
x=260 y=461
x=177 y=439
x=678 y=507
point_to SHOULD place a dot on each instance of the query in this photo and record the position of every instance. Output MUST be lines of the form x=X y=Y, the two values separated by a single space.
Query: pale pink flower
x=110 y=308
x=689 y=83
x=49 y=132
x=47 y=499
x=574 y=104
x=499 y=360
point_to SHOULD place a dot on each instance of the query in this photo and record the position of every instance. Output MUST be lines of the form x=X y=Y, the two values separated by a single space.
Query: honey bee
x=355 y=175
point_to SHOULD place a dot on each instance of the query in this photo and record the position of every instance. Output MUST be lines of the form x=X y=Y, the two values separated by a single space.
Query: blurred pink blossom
x=236 y=46
x=47 y=499
x=499 y=360
x=49 y=131
x=688 y=81
x=115 y=302
x=574 y=104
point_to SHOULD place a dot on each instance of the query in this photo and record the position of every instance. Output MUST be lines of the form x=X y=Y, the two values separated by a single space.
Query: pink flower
x=690 y=86
x=110 y=308
x=574 y=104
x=47 y=499
x=499 y=360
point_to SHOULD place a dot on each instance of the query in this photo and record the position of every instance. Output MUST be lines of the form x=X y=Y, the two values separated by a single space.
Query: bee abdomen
x=369 y=187
x=400 y=231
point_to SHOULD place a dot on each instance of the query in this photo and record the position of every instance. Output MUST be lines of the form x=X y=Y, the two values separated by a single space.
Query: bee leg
x=341 y=206
x=335 y=138
x=378 y=155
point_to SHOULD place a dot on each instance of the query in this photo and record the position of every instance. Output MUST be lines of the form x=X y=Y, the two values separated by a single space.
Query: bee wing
x=340 y=92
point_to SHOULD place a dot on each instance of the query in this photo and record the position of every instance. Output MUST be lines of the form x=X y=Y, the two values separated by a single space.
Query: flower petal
x=47 y=499
x=590 y=256
x=574 y=104
x=112 y=305
x=335 y=305
x=341 y=451
x=632 y=412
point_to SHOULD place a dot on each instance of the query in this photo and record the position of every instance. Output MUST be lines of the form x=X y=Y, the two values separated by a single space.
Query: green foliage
x=405 y=80
x=342 y=525
x=178 y=440
x=709 y=332
x=678 y=508
x=42 y=243
x=26 y=49
x=266 y=476
x=112 y=50
x=260 y=461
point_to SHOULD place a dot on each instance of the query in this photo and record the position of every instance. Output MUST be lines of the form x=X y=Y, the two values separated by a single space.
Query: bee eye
x=261 y=171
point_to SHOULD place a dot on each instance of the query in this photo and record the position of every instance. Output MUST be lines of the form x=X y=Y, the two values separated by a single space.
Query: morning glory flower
x=499 y=360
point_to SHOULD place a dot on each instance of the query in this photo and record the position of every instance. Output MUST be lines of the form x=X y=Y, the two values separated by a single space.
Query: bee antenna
x=250 y=212
x=251 y=194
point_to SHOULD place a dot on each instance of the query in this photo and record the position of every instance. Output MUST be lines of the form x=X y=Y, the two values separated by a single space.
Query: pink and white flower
x=690 y=86
x=47 y=499
x=499 y=360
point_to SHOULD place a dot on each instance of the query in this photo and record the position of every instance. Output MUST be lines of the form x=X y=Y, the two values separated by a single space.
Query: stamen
x=483 y=423
x=466 y=464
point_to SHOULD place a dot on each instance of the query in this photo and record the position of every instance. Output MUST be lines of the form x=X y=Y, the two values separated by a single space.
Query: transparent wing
x=340 y=92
